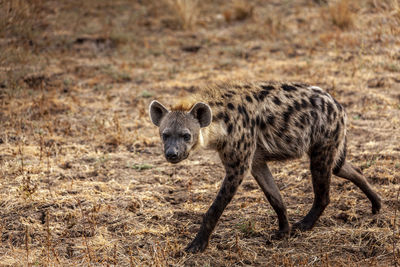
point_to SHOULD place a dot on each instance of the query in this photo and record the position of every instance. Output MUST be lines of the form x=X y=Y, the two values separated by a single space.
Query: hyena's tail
x=342 y=158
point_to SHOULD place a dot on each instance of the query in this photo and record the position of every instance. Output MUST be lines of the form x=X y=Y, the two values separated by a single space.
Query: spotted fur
x=256 y=122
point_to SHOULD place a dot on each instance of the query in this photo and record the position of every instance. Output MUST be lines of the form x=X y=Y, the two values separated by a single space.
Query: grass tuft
x=341 y=15
x=241 y=10
x=186 y=12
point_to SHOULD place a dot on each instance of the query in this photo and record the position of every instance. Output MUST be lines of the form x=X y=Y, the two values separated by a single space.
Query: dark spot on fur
x=289 y=88
x=246 y=115
x=262 y=95
x=226 y=118
x=244 y=123
x=299 y=125
x=289 y=96
x=334 y=114
x=258 y=120
x=297 y=105
x=222 y=115
x=253 y=122
x=287 y=114
x=227 y=95
x=271 y=120
x=219 y=116
x=223 y=144
x=240 y=109
x=283 y=128
x=263 y=125
x=277 y=101
x=323 y=106
x=304 y=118
x=219 y=103
x=288 y=139
x=211 y=104
x=238 y=145
x=249 y=99
x=304 y=103
x=247 y=86
x=314 y=115
x=312 y=101
x=231 y=106
x=230 y=127
x=267 y=87
x=255 y=95
x=329 y=108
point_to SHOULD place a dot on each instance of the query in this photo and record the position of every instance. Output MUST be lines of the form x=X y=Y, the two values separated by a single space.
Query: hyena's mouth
x=174 y=161
x=177 y=159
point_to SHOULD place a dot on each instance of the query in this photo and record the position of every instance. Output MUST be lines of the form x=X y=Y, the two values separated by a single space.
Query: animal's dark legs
x=351 y=173
x=321 y=160
x=265 y=180
x=210 y=219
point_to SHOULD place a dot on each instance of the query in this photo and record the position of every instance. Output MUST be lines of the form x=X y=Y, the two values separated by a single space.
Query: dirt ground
x=83 y=181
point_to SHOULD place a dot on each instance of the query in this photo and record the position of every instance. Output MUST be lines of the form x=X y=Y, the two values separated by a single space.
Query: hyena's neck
x=211 y=136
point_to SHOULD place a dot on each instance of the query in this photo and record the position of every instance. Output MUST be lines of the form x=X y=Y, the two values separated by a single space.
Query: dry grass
x=82 y=178
x=240 y=10
x=341 y=14
x=186 y=12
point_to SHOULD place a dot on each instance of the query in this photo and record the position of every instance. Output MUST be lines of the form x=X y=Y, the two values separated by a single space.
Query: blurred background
x=82 y=178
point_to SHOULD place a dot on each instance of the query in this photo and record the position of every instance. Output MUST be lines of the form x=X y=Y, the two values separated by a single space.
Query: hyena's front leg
x=233 y=178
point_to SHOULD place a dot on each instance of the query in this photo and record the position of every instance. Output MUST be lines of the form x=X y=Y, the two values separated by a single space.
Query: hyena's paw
x=197 y=245
x=280 y=234
x=376 y=205
x=301 y=226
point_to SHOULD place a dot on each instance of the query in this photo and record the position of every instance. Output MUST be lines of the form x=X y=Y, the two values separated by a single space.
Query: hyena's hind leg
x=265 y=180
x=321 y=162
x=354 y=174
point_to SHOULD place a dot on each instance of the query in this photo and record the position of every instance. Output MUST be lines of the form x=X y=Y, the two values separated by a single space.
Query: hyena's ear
x=202 y=112
x=157 y=112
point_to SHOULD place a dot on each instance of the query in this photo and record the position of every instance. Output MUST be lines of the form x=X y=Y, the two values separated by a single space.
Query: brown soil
x=82 y=177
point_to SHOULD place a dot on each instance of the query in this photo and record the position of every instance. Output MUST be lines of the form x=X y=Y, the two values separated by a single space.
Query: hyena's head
x=180 y=130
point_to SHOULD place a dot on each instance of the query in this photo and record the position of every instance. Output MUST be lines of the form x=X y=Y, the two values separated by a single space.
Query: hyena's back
x=287 y=119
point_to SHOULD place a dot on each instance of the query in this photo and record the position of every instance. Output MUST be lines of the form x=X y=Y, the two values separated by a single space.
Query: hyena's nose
x=171 y=154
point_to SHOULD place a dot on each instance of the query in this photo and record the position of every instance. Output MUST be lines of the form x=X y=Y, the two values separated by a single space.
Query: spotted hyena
x=251 y=123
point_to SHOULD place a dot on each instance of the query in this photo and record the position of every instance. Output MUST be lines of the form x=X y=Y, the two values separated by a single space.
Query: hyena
x=251 y=123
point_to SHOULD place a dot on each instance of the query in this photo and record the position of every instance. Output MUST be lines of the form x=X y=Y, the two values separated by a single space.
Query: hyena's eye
x=186 y=137
x=165 y=136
